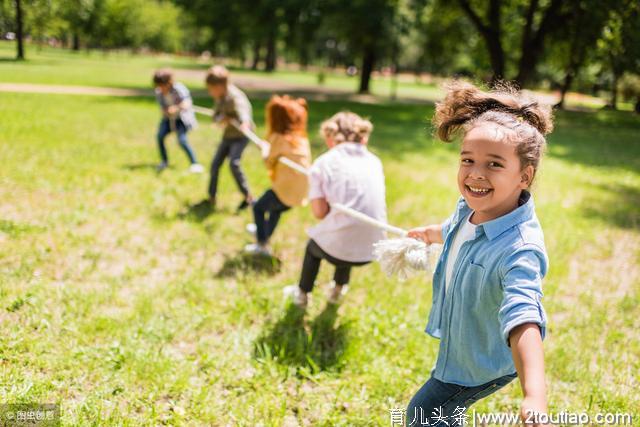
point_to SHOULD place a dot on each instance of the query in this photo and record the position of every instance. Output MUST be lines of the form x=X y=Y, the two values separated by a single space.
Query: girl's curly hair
x=526 y=121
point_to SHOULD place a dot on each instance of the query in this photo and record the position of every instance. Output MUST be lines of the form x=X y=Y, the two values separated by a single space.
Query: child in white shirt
x=351 y=175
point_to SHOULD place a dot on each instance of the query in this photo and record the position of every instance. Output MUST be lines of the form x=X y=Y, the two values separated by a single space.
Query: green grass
x=46 y=65
x=129 y=308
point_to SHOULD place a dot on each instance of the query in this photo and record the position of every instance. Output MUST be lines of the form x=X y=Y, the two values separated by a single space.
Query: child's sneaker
x=298 y=297
x=251 y=229
x=196 y=168
x=257 y=249
x=248 y=201
x=337 y=293
x=162 y=166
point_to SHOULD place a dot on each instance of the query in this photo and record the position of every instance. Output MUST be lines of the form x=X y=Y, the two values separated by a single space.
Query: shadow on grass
x=140 y=166
x=243 y=263
x=197 y=211
x=600 y=139
x=619 y=208
x=318 y=346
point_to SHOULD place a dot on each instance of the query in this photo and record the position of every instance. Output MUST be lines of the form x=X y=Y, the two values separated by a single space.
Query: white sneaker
x=196 y=168
x=337 y=293
x=251 y=229
x=257 y=249
x=299 y=298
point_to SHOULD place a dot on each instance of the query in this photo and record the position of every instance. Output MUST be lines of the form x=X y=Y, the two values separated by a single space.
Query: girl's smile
x=477 y=191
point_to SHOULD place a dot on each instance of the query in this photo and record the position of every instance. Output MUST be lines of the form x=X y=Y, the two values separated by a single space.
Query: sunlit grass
x=129 y=308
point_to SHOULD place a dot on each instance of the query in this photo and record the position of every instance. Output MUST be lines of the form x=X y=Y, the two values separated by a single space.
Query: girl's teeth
x=479 y=190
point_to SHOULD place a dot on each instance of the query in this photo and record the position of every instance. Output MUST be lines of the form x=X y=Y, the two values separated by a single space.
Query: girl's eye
x=466 y=161
x=495 y=165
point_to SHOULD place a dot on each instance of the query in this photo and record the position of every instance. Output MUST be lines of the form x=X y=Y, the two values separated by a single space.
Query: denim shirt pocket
x=474 y=284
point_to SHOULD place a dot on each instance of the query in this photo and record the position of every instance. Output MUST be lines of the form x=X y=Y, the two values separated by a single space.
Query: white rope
x=399 y=257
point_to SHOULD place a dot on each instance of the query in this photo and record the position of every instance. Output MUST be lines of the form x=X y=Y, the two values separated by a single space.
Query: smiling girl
x=487 y=285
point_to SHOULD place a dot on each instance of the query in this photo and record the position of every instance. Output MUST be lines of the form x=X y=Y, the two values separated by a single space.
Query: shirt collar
x=496 y=227
x=351 y=146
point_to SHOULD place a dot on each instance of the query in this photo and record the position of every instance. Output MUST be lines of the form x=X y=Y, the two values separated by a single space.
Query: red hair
x=286 y=115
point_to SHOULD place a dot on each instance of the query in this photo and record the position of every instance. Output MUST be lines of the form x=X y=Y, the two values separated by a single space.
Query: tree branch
x=475 y=18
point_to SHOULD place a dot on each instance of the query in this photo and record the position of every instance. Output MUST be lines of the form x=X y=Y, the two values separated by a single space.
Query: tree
x=584 y=26
x=490 y=27
x=19 y=30
x=83 y=19
x=620 y=44
x=367 y=26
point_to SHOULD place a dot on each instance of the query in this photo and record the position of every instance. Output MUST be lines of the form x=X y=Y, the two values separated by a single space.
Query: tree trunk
x=304 y=57
x=270 y=59
x=256 y=55
x=490 y=33
x=19 y=30
x=613 y=103
x=532 y=43
x=496 y=55
x=368 y=61
x=566 y=85
x=75 y=41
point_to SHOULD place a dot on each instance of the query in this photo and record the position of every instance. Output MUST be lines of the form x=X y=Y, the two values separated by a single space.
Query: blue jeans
x=440 y=404
x=164 y=129
x=268 y=203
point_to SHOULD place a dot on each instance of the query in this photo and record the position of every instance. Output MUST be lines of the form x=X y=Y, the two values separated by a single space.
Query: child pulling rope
x=400 y=256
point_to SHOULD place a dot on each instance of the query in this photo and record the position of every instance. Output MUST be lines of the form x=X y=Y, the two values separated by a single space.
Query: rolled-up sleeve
x=522 y=274
x=243 y=108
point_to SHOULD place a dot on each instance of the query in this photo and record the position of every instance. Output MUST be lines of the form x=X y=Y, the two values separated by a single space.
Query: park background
x=128 y=304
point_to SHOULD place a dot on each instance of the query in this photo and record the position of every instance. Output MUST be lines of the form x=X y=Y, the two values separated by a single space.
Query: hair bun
x=464 y=102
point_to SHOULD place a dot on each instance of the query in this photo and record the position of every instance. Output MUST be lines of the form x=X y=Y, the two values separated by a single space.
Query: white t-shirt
x=466 y=232
x=351 y=175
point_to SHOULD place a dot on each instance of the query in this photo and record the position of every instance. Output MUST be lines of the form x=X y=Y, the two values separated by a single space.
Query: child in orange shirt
x=287 y=137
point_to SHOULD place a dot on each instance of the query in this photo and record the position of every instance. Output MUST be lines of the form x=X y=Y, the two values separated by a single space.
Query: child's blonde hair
x=217 y=75
x=526 y=121
x=346 y=127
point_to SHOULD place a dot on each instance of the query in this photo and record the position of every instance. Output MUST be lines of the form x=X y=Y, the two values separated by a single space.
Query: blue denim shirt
x=495 y=286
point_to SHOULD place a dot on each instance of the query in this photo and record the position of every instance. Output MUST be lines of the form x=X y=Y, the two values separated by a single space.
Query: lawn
x=127 y=306
x=124 y=70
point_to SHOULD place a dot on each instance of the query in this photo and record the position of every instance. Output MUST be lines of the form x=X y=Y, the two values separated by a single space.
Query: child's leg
x=259 y=211
x=342 y=275
x=275 y=210
x=235 y=152
x=310 y=266
x=163 y=131
x=221 y=153
x=182 y=139
x=443 y=404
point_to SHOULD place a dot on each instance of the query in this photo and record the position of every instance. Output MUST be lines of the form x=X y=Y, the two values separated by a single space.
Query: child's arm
x=320 y=208
x=185 y=99
x=528 y=357
x=185 y=104
x=243 y=111
x=523 y=322
x=429 y=234
x=271 y=152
